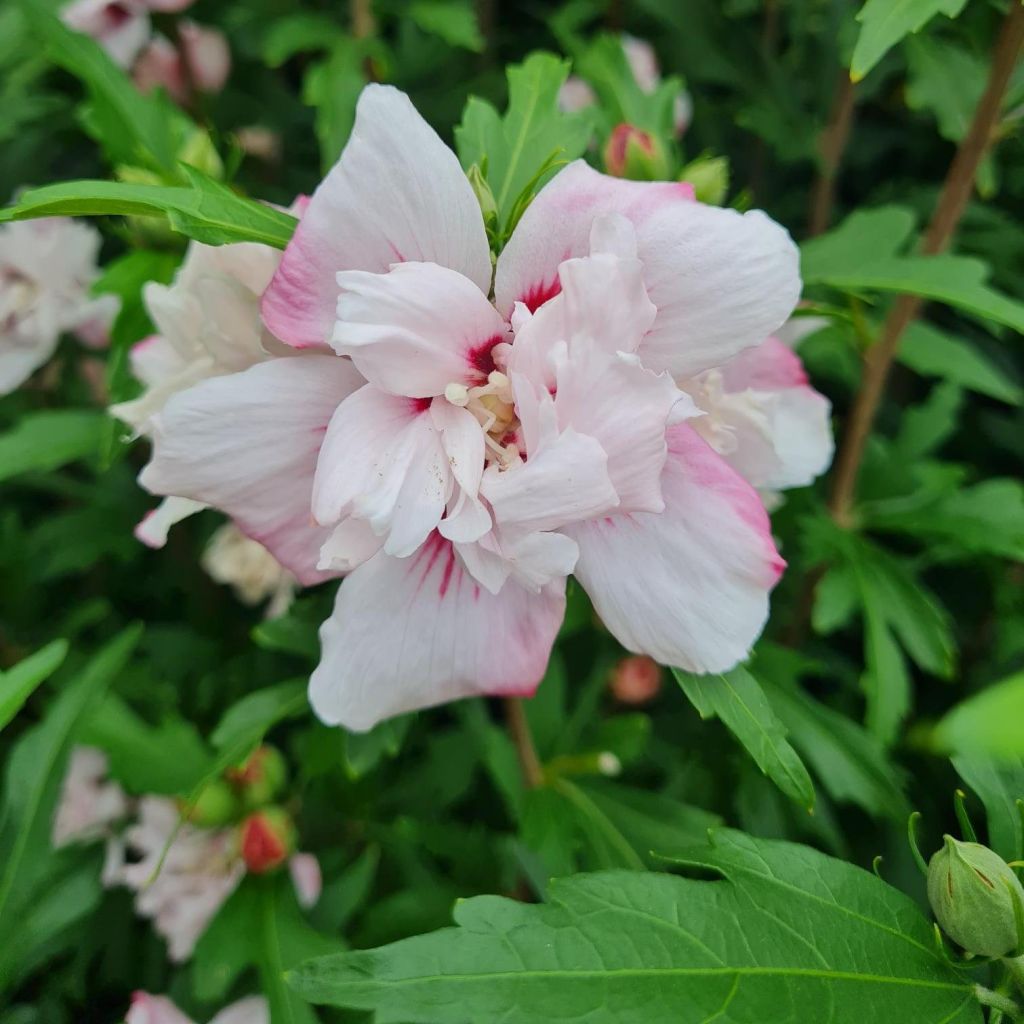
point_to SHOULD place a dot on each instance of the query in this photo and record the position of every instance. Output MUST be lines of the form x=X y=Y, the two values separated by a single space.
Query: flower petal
x=247 y=444
x=416 y=329
x=721 y=281
x=416 y=632
x=690 y=586
x=147 y=1009
x=154 y=526
x=382 y=460
x=397 y=193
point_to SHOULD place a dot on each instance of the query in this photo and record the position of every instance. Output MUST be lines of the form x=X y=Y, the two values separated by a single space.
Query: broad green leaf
x=926 y=427
x=206 y=211
x=1000 y=787
x=864 y=236
x=738 y=700
x=19 y=682
x=35 y=771
x=44 y=441
x=886 y=682
x=454 y=21
x=365 y=750
x=885 y=22
x=784 y=928
x=851 y=763
x=298 y=33
x=249 y=719
x=521 y=148
x=344 y=895
x=990 y=723
x=934 y=353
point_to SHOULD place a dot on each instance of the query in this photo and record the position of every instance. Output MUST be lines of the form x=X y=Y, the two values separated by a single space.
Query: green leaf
x=298 y=33
x=249 y=719
x=738 y=700
x=521 y=149
x=333 y=87
x=1000 y=786
x=18 y=683
x=926 y=427
x=44 y=441
x=206 y=211
x=785 y=929
x=454 y=21
x=35 y=770
x=863 y=254
x=989 y=723
x=885 y=22
x=934 y=353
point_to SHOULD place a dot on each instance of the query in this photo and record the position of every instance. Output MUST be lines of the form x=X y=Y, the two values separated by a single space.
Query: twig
x=833 y=143
x=364 y=24
x=519 y=730
x=955 y=193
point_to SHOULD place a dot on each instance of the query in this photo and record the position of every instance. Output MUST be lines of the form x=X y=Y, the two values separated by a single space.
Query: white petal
x=351 y=543
x=412 y=633
x=688 y=586
x=397 y=193
x=156 y=523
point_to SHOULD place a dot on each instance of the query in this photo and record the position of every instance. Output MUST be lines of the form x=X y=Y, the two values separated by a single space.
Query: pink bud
x=159 y=66
x=267 y=839
x=169 y=6
x=306 y=876
x=147 y=1009
x=121 y=28
x=631 y=153
x=206 y=53
x=636 y=680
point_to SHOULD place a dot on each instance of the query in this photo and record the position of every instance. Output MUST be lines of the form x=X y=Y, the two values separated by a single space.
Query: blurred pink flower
x=147 y=1009
x=202 y=61
x=121 y=27
x=89 y=802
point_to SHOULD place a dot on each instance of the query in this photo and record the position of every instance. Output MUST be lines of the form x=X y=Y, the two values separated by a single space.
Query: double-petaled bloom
x=457 y=450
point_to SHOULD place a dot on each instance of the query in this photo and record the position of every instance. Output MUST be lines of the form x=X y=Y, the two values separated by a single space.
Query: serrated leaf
x=206 y=211
x=738 y=700
x=885 y=22
x=44 y=441
x=521 y=148
x=785 y=928
x=19 y=682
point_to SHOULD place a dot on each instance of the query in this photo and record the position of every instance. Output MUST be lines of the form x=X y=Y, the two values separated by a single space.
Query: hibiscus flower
x=460 y=454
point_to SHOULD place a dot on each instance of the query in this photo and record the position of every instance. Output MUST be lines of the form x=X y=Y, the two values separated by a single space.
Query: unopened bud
x=216 y=805
x=484 y=195
x=636 y=680
x=266 y=839
x=709 y=176
x=633 y=153
x=261 y=777
x=972 y=891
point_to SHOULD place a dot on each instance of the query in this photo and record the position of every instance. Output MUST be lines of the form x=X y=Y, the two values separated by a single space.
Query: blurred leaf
x=19 y=682
x=1000 y=786
x=249 y=719
x=298 y=33
x=35 y=770
x=780 y=922
x=521 y=149
x=738 y=700
x=885 y=22
x=454 y=21
x=343 y=896
x=333 y=87
x=990 y=723
x=207 y=211
x=933 y=353
x=44 y=441
x=365 y=750
x=926 y=427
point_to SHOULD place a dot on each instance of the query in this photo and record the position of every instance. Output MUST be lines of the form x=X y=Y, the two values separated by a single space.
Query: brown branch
x=833 y=143
x=519 y=730
x=950 y=207
x=363 y=23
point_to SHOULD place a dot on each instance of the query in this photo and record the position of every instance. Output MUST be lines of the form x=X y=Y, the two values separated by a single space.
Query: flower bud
x=636 y=680
x=636 y=154
x=217 y=805
x=709 y=176
x=972 y=891
x=484 y=195
x=261 y=777
x=266 y=839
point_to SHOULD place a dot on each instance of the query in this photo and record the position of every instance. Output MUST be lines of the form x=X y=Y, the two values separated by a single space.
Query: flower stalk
x=519 y=730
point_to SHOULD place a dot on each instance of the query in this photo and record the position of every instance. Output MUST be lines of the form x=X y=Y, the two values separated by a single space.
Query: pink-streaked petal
x=247 y=443
x=154 y=526
x=147 y=1009
x=564 y=481
x=721 y=281
x=415 y=632
x=397 y=193
x=307 y=878
x=688 y=586
x=416 y=329
x=382 y=460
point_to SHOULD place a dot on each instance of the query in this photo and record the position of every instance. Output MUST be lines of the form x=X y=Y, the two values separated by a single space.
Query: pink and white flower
x=202 y=60
x=46 y=269
x=148 y=1009
x=464 y=455
x=249 y=569
x=89 y=803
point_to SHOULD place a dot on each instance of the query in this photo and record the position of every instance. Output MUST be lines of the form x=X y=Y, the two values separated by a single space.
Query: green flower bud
x=484 y=196
x=709 y=176
x=972 y=892
x=198 y=151
x=217 y=805
x=636 y=154
x=261 y=777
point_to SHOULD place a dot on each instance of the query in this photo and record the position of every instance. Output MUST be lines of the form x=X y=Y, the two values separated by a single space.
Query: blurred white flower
x=147 y=1009
x=46 y=269
x=249 y=569
x=89 y=802
x=121 y=27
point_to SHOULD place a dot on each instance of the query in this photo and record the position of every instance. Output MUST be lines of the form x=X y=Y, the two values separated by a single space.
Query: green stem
x=1004 y=1004
x=1015 y=969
